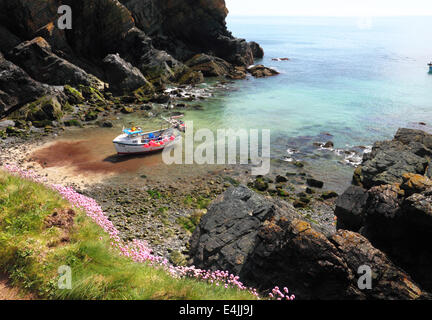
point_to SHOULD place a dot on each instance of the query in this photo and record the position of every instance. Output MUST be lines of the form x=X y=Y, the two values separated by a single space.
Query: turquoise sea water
x=358 y=80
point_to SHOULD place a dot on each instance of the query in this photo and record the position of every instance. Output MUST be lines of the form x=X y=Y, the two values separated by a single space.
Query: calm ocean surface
x=357 y=79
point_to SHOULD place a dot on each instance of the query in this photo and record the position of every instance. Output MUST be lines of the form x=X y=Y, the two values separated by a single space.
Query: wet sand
x=83 y=157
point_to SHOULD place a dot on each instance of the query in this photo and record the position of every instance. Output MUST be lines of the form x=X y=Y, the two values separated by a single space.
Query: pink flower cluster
x=279 y=295
x=138 y=250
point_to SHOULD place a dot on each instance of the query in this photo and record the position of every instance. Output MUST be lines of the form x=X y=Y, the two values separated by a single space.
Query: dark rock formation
x=314 y=183
x=203 y=29
x=257 y=51
x=350 y=208
x=267 y=244
x=389 y=160
x=209 y=66
x=145 y=33
x=16 y=87
x=122 y=76
x=259 y=71
x=37 y=59
x=392 y=206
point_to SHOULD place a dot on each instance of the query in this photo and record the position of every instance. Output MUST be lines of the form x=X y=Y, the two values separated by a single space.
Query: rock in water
x=389 y=160
x=267 y=243
x=209 y=66
x=257 y=51
x=314 y=183
x=259 y=71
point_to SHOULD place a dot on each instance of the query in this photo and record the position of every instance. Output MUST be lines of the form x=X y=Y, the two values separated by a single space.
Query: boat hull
x=135 y=149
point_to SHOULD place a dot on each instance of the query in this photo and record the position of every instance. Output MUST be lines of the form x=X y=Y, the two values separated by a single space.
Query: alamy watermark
x=65 y=20
x=65 y=278
x=228 y=146
x=365 y=280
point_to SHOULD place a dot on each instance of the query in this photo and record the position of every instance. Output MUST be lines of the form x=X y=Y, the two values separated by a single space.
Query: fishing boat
x=135 y=141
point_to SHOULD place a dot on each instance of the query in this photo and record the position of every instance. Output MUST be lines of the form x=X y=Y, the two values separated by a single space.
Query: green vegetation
x=191 y=222
x=32 y=250
x=155 y=194
x=199 y=203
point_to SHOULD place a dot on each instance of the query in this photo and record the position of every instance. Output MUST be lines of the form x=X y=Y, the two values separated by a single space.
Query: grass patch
x=191 y=222
x=198 y=203
x=155 y=194
x=31 y=254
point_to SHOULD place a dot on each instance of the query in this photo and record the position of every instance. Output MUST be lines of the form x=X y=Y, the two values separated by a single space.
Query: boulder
x=17 y=88
x=393 y=208
x=328 y=145
x=209 y=66
x=159 y=66
x=389 y=160
x=350 y=208
x=38 y=60
x=267 y=243
x=257 y=51
x=45 y=108
x=121 y=75
x=260 y=71
x=415 y=183
x=280 y=178
x=314 y=183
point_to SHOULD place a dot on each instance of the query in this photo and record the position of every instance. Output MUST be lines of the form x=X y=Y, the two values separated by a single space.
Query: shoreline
x=163 y=204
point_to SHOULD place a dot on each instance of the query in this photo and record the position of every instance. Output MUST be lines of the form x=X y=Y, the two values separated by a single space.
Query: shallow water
x=360 y=84
x=343 y=83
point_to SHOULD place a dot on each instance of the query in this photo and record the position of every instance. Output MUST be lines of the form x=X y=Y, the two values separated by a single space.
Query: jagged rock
x=37 y=59
x=158 y=65
x=121 y=75
x=16 y=87
x=259 y=71
x=350 y=208
x=73 y=95
x=238 y=73
x=389 y=160
x=45 y=108
x=417 y=139
x=415 y=183
x=209 y=66
x=190 y=77
x=266 y=243
x=397 y=215
x=257 y=51
x=203 y=29
x=145 y=33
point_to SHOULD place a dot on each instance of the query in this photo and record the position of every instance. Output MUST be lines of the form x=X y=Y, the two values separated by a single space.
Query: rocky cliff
x=390 y=201
x=384 y=222
x=151 y=39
